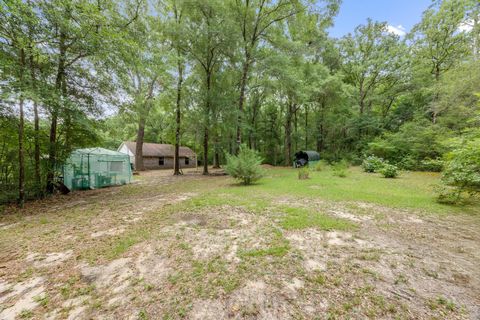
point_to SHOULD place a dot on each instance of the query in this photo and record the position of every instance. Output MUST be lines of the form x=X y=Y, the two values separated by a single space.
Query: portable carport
x=303 y=158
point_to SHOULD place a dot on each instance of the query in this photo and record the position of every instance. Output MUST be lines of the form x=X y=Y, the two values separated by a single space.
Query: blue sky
x=402 y=15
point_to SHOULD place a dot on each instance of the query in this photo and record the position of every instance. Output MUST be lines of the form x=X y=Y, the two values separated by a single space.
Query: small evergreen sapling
x=246 y=166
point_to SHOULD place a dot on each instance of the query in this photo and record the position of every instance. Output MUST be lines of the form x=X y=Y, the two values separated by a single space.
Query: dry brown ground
x=153 y=250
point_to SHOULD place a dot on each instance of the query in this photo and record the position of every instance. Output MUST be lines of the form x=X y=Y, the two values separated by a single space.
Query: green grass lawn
x=411 y=190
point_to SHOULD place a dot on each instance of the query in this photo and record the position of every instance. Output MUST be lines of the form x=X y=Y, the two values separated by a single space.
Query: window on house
x=187 y=161
x=161 y=161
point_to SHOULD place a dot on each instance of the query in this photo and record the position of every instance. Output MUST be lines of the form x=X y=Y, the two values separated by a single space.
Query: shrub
x=416 y=140
x=340 y=169
x=372 y=164
x=246 y=166
x=462 y=169
x=303 y=173
x=448 y=195
x=389 y=170
x=433 y=165
x=408 y=163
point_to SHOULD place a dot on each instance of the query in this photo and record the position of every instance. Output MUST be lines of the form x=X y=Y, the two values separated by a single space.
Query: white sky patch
x=466 y=26
x=398 y=30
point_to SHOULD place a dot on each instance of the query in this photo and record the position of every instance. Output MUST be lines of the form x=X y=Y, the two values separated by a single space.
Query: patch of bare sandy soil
x=255 y=299
x=21 y=297
x=427 y=265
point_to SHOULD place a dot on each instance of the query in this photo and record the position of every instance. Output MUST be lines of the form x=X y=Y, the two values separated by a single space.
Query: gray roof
x=159 y=149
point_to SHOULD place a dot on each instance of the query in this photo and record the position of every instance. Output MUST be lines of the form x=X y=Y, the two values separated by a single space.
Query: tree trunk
x=60 y=86
x=21 y=150
x=320 y=136
x=435 y=99
x=295 y=126
x=139 y=145
x=306 y=128
x=288 y=135
x=176 y=168
x=207 y=124
x=36 y=120
x=205 y=151
x=241 y=100
x=216 y=155
x=216 y=159
x=253 y=125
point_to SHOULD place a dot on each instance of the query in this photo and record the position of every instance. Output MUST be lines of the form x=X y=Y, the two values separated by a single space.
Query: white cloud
x=398 y=30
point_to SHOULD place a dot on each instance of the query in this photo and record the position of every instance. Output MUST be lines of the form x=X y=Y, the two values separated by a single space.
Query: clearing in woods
x=199 y=247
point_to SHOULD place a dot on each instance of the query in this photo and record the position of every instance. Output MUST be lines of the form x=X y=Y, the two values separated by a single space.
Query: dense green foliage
x=462 y=172
x=214 y=74
x=245 y=166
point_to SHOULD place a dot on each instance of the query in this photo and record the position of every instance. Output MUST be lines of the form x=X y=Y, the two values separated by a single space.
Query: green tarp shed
x=94 y=168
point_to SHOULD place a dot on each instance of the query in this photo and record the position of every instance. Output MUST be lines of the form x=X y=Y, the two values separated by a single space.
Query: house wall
x=124 y=149
x=151 y=163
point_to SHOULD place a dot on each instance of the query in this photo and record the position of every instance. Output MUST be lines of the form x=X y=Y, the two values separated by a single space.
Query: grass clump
x=303 y=173
x=298 y=218
x=339 y=169
x=278 y=247
x=321 y=165
x=246 y=166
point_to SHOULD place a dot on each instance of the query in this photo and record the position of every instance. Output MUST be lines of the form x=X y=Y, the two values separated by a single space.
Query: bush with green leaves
x=462 y=171
x=448 y=195
x=246 y=166
x=389 y=170
x=303 y=173
x=414 y=142
x=339 y=169
x=433 y=165
x=372 y=164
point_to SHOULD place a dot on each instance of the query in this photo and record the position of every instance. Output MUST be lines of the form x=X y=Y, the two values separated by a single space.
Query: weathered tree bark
x=241 y=100
x=295 y=126
x=435 y=99
x=306 y=128
x=216 y=155
x=205 y=151
x=21 y=150
x=21 y=158
x=288 y=134
x=36 y=120
x=176 y=169
x=139 y=166
x=320 y=128
x=207 y=123
x=252 y=143
x=60 y=86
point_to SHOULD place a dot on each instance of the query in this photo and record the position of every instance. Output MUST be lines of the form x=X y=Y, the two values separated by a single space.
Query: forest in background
x=215 y=74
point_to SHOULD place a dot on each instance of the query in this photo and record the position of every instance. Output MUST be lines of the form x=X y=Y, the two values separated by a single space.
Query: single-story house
x=158 y=155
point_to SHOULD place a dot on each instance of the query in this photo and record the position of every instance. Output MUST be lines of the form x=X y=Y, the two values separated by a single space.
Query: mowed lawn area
x=205 y=247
